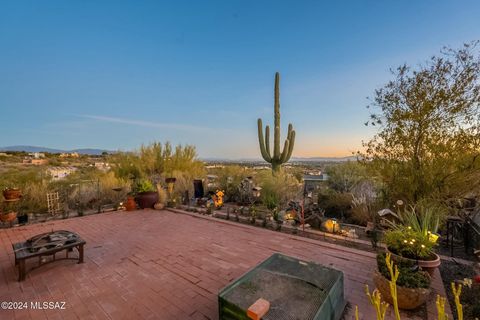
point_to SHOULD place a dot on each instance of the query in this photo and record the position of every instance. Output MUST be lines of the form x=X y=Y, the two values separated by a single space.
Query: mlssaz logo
x=45 y=305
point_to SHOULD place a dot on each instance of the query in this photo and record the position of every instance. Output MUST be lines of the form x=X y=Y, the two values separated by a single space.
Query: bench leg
x=80 y=253
x=21 y=270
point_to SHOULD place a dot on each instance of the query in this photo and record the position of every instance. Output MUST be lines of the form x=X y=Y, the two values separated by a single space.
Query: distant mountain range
x=50 y=150
x=295 y=159
x=100 y=151
x=325 y=159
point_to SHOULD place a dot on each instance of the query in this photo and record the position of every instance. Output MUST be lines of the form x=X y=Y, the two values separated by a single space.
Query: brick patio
x=164 y=265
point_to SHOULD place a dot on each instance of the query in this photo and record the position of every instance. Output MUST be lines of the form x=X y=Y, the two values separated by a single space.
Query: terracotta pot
x=147 y=199
x=12 y=194
x=407 y=298
x=426 y=265
x=130 y=204
x=8 y=217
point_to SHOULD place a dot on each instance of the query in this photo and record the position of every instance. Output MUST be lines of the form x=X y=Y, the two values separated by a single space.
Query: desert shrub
x=229 y=178
x=158 y=161
x=107 y=182
x=35 y=197
x=335 y=204
x=278 y=189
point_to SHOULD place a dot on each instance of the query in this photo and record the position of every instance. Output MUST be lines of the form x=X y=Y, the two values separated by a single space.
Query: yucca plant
x=423 y=218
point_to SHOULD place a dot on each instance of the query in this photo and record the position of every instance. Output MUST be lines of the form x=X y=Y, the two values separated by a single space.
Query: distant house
x=35 y=161
x=313 y=182
x=59 y=173
x=39 y=162
x=37 y=155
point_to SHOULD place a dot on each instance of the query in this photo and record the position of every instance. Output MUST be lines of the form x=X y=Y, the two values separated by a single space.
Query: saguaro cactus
x=279 y=157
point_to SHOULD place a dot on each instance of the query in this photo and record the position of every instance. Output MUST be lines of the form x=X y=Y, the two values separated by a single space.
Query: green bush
x=409 y=277
x=279 y=189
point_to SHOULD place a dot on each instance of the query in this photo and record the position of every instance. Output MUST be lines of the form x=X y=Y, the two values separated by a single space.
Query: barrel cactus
x=279 y=157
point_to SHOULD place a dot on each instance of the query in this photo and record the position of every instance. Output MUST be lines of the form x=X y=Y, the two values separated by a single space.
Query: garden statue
x=278 y=157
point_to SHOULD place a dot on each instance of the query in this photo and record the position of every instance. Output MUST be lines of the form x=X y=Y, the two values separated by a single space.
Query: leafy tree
x=157 y=160
x=428 y=140
x=343 y=177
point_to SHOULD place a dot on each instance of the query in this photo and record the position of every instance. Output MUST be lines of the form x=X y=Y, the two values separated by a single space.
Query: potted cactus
x=413 y=285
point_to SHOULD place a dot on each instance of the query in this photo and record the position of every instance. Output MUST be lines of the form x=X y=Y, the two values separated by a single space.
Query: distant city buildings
x=59 y=173
x=69 y=155
x=103 y=166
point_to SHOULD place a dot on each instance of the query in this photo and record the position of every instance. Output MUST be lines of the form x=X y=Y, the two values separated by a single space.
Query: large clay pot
x=147 y=199
x=426 y=265
x=407 y=298
x=12 y=194
x=130 y=204
x=8 y=217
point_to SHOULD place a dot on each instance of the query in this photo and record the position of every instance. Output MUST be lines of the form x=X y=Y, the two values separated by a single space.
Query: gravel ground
x=470 y=297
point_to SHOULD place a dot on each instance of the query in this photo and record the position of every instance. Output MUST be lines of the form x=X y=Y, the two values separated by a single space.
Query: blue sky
x=116 y=74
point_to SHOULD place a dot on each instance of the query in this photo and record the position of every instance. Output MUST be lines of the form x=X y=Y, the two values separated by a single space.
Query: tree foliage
x=428 y=142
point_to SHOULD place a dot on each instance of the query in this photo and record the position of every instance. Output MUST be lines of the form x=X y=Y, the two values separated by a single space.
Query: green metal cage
x=296 y=290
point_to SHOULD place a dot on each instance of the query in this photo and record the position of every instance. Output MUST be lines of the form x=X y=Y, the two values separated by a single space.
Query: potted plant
x=147 y=196
x=413 y=284
x=130 y=204
x=414 y=246
x=8 y=217
x=12 y=193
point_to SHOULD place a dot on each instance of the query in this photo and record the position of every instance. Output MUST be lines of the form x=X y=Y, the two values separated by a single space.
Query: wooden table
x=23 y=251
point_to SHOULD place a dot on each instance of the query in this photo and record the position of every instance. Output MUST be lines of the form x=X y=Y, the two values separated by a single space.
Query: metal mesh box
x=296 y=290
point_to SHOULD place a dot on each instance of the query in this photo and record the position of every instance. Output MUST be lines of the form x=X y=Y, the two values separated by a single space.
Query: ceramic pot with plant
x=413 y=285
x=413 y=246
x=11 y=193
x=147 y=196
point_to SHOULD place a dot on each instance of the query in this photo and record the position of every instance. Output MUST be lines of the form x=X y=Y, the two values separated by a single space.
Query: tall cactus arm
x=265 y=155
x=285 y=151
x=267 y=141
x=291 y=139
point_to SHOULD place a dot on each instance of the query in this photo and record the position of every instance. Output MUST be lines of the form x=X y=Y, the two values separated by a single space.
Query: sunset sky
x=116 y=74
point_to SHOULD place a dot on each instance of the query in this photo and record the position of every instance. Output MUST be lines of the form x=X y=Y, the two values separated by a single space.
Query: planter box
x=295 y=289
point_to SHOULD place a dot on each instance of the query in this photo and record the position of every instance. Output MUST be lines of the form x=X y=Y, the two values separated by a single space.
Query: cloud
x=143 y=123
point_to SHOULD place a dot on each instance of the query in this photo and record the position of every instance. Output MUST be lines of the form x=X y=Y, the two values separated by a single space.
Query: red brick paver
x=162 y=265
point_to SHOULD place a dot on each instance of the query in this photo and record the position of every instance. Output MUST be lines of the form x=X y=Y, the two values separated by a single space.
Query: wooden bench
x=23 y=251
